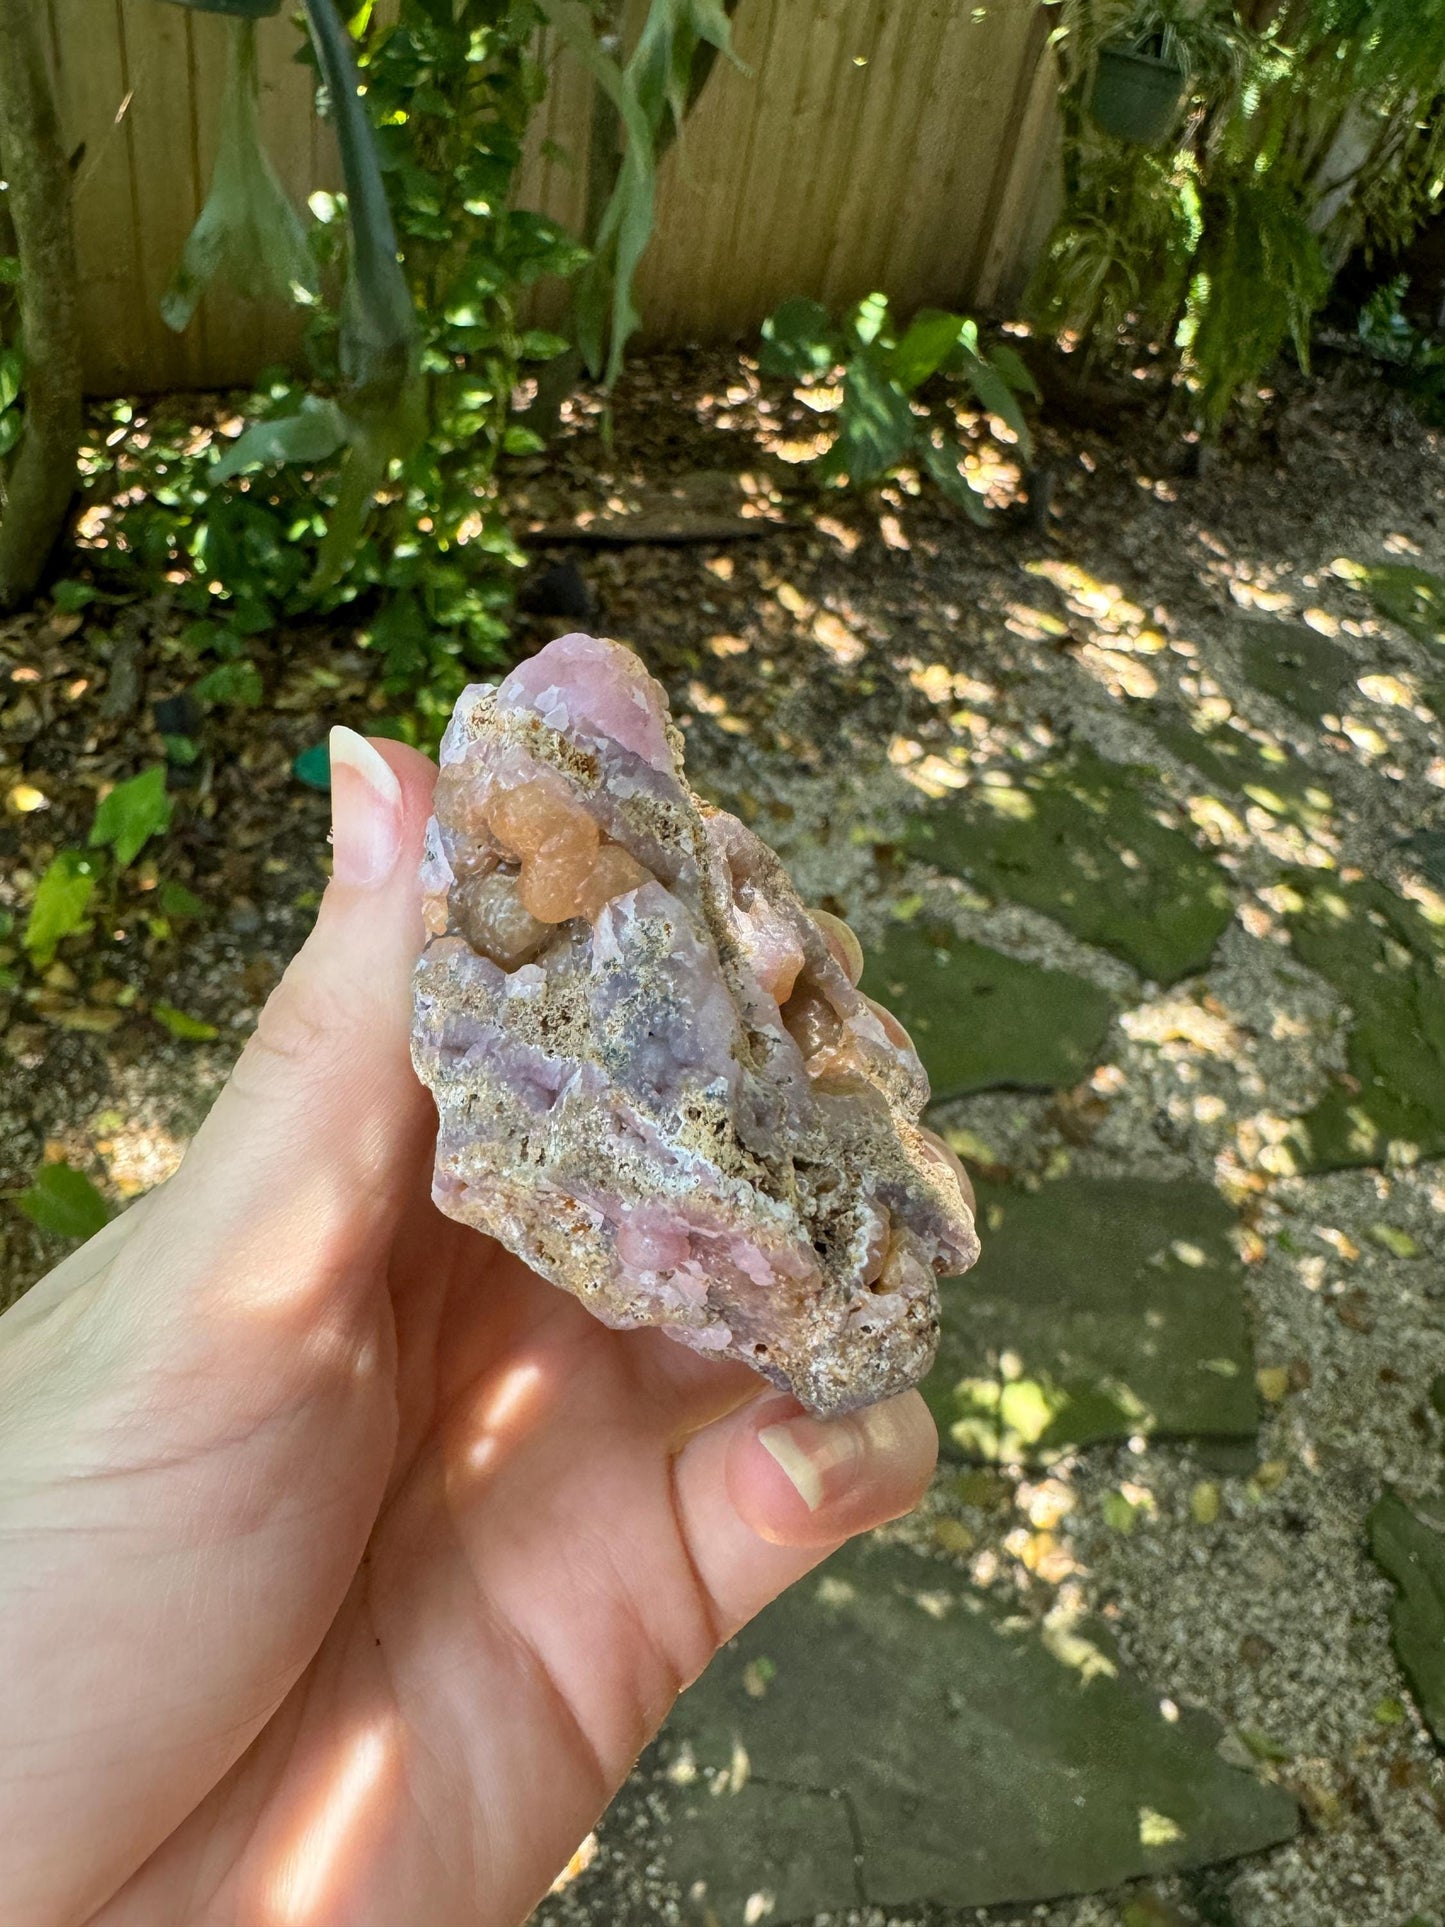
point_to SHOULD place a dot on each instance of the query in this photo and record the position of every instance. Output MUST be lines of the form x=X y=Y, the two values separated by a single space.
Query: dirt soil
x=832 y=663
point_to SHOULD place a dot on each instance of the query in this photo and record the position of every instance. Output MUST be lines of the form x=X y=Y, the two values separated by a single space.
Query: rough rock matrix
x=656 y=1080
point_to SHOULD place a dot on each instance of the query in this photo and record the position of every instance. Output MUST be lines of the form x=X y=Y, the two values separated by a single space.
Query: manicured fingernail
x=822 y=1458
x=365 y=811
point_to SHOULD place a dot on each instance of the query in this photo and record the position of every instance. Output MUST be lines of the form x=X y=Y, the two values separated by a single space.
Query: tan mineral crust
x=655 y=1078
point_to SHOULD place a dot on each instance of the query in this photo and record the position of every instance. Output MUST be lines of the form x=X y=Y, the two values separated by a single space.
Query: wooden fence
x=908 y=145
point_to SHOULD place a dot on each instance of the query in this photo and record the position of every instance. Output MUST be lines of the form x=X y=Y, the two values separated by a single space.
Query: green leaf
x=931 y=336
x=316 y=433
x=998 y=398
x=237 y=684
x=942 y=466
x=522 y=441
x=626 y=224
x=64 y=1202
x=62 y=898
x=248 y=231
x=378 y=321
x=192 y=1030
x=384 y=403
x=876 y=426
x=799 y=341
x=538 y=345
x=1011 y=365
x=179 y=903
x=72 y=596
x=12 y=374
x=131 y=814
x=1411 y=1549
x=869 y=318
x=12 y=427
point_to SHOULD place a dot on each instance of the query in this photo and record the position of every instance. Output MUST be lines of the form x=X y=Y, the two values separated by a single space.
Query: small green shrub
x=882 y=424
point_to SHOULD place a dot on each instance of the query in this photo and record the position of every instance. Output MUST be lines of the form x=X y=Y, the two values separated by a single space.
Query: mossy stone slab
x=983 y=1021
x=1387 y=960
x=1306 y=672
x=1410 y=1546
x=881 y=1736
x=1120 y=1306
x=1079 y=838
x=1238 y=766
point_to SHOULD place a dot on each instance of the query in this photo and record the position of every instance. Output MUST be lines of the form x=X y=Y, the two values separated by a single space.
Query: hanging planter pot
x=1138 y=91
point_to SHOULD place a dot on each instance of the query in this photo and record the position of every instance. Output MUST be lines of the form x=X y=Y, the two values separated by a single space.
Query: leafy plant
x=62 y=900
x=1412 y=361
x=651 y=94
x=1258 y=280
x=64 y=1202
x=1305 y=132
x=126 y=819
x=129 y=815
x=880 y=423
x=1205 y=40
x=1123 y=252
x=248 y=231
x=376 y=483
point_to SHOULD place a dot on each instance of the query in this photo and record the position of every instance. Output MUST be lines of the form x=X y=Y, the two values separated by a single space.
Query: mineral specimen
x=656 y=1080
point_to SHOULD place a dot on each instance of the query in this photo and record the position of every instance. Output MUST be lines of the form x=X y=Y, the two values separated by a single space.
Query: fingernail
x=822 y=1458
x=365 y=811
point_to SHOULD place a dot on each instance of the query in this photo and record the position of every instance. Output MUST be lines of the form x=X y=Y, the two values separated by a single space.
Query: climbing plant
x=373 y=480
x=1301 y=130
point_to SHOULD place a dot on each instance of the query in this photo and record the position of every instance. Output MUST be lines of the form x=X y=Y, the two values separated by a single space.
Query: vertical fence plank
x=91 y=95
x=167 y=191
x=1031 y=196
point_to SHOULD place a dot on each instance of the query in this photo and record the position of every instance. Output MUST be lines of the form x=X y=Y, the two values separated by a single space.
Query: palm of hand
x=526 y=1609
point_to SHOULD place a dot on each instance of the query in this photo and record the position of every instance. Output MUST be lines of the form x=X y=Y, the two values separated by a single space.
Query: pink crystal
x=671 y=1101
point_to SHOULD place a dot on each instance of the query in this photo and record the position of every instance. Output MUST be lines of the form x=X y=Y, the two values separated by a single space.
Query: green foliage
x=191 y=1030
x=1124 y=248
x=126 y=819
x=1415 y=598
x=650 y=94
x=64 y=1202
x=12 y=413
x=1304 y=134
x=236 y=684
x=128 y=816
x=1410 y=360
x=62 y=899
x=1259 y=278
x=248 y=232
x=879 y=423
x=373 y=485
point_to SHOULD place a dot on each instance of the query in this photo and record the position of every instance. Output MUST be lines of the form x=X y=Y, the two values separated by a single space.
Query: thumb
x=323 y=1114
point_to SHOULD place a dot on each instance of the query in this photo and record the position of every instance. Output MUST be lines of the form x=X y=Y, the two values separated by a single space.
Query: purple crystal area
x=674 y=1103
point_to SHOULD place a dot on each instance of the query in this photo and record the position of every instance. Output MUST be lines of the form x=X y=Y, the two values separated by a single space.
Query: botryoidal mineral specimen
x=656 y=1080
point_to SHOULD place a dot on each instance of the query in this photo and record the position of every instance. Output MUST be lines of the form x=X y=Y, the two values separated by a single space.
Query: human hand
x=347 y=1565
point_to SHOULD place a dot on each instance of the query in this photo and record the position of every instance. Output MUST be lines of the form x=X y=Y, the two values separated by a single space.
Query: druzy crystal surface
x=655 y=1078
